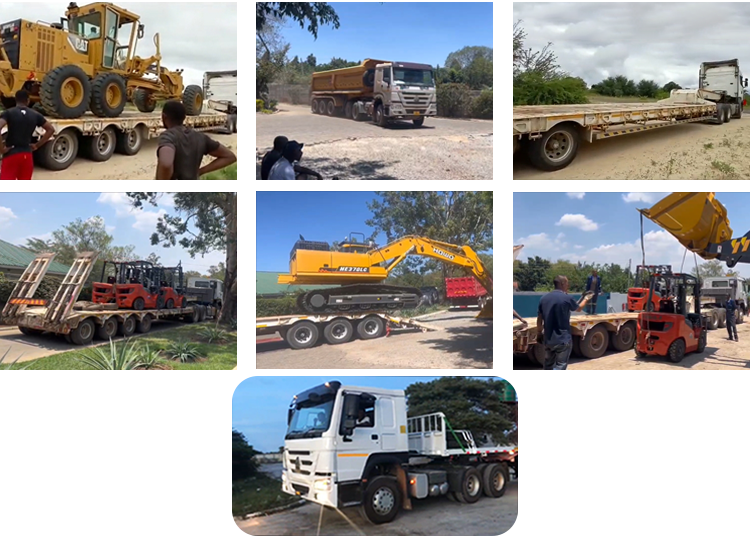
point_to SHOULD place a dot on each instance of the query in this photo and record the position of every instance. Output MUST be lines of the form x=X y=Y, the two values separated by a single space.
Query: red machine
x=465 y=292
x=104 y=290
x=637 y=294
x=150 y=287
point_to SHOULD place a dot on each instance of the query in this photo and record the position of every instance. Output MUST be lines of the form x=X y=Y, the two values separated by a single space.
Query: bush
x=533 y=89
x=212 y=334
x=185 y=352
x=276 y=307
x=243 y=464
x=482 y=106
x=258 y=105
x=453 y=100
x=124 y=358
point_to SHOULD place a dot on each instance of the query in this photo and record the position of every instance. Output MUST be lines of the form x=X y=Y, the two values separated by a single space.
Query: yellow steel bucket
x=486 y=311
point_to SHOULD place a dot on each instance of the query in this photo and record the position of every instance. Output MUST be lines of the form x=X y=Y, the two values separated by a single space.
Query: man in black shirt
x=271 y=157
x=181 y=149
x=553 y=323
x=17 y=151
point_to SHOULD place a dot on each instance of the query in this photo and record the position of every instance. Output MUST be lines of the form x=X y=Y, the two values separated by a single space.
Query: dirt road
x=349 y=150
x=720 y=353
x=430 y=517
x=141 y=166
x=693 y=151
x=462 y=342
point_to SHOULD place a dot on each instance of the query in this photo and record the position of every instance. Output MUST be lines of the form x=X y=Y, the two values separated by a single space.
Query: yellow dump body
x=349 y=80
x=695 y=219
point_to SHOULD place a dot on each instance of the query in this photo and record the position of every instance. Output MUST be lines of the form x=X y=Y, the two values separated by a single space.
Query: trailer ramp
x=27 y=285
x=69 y=290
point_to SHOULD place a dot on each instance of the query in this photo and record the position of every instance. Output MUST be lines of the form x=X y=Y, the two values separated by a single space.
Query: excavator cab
x=355 y=243
x=678 y=328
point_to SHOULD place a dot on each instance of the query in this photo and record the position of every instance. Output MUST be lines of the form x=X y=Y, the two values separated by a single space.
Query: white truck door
x=387 y=416
x=352 y=455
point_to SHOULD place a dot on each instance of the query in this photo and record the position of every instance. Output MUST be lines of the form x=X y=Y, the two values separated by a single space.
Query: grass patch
x=211 y=356
x=259 y=493
x=229 y=173
x=726 y=169
x=708 y=145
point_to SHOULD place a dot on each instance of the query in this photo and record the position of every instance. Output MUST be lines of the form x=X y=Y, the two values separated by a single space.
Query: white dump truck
x=354 y=446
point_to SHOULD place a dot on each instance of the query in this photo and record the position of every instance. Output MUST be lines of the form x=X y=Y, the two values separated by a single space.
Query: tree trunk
x=229 y=308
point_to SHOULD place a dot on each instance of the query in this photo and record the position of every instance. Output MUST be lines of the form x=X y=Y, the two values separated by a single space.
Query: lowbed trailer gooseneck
x=354 y=446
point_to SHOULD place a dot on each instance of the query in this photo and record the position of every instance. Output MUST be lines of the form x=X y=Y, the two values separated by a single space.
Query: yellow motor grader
x=86 y=62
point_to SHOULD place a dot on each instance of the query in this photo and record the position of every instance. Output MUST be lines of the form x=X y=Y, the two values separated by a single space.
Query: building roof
x=18 y=257
x=266 y=284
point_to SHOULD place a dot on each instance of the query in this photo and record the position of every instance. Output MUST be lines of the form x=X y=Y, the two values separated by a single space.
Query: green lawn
x=229 y=173
x=212 y=356
x=259 y=493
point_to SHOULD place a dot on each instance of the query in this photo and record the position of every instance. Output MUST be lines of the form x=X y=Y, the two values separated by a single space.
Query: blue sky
x=397 y=31
x=605 y=228
x=27 y=215
x=260 y=404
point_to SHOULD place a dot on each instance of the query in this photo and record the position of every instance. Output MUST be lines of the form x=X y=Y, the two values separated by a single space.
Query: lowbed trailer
x=99 y=138
x=304 y=330
x=80 y=321
x=551 y=134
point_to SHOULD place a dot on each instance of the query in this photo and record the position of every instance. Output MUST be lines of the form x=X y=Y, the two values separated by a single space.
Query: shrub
x=273 y=105
x=124 y=358
x=212 y=334
x=258 y=105
x=482 y=106
x=533 y=89
x=453 y=100
x=276 y=306
x=185 y=352
x=149 y=358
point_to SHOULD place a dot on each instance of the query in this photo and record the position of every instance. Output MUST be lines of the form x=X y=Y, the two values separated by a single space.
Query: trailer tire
x=144 y=324
x=302 y=335
x=676 y=351
x=127 y=327
x=338 y=331
x=537 y=353
x=67 y=338
x=192 y=98
x=130 y=142
x=702 y=341
x=624 y=339
x=371 y=327
x=713 y=320
x=108 y=95
x=84 y=333
x=556 y=149
x=60 y=152
x=495 y=479
x=382 y=500
x=314 y=106
x=740 y=317
x=469 y=486
x=100 y=147
x=722 y=319
x=348 y=109
x=595 y=343
x=576 y=352
x=727 y=114
x=144 y=100
x=331 y=108
x=108 y=329
x=66 y=92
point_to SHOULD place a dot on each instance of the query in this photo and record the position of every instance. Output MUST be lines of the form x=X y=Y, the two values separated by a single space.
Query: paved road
x=345 y=149
x=462 y=342
x=433 y=516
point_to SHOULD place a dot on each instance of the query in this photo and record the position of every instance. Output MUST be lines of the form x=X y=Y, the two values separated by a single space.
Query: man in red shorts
x=18 y=150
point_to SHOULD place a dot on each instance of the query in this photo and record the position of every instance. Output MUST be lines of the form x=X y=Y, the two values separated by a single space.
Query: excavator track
x=359 y=298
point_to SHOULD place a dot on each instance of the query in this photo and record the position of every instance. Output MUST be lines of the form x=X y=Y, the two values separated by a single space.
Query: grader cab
x=87 y=61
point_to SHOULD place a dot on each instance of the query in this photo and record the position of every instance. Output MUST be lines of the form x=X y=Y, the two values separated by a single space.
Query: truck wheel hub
x=383 y=501
x=472 y=486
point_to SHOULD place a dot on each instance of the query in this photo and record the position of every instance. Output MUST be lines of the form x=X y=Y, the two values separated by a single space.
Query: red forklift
x=138 y=289
x=677 y=328
x=171 y=286
x=112 y=275
x=638 y=293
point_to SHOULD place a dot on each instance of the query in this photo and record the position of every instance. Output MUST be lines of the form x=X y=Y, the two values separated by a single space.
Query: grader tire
x=192 y=98
x=66 y=92
x=143 y=101
x=108 y=95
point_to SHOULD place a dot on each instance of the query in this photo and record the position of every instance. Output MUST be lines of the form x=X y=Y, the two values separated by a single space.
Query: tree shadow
x=472 y=344
x=348 y=169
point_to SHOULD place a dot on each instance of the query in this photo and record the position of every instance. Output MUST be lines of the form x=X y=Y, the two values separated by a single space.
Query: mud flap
x=401 y=478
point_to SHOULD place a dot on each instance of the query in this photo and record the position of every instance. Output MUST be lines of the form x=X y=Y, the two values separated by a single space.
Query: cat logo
x=79 y=44
x=443 y=253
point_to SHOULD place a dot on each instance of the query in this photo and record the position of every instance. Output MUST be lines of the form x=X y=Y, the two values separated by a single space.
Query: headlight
x=323 y=484
x=283 y=476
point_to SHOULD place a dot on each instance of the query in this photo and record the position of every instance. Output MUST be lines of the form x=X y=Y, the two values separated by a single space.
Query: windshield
x=311 y=419
x=200 y=284
x=413 y=77
x=87 y=26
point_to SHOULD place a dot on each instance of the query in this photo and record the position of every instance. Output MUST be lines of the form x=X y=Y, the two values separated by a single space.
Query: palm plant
x=185 y=352
x=212 y=334
x=124 y=358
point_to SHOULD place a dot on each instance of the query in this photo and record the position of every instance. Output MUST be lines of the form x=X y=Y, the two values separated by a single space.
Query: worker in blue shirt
x=731 y=307
x=593 y=285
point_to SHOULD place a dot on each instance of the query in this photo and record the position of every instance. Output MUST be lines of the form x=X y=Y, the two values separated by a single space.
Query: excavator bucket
x=695 y=219
x=486 y=312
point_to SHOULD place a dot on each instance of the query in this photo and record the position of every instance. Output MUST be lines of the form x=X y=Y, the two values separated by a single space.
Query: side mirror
x=141 y=31
x=349 y=415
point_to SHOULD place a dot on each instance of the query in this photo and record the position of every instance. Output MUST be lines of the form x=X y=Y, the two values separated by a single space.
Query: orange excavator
x=360 y=267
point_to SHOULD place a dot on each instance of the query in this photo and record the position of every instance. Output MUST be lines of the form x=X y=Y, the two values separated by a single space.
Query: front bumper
x=320 y=490
x=401 y=111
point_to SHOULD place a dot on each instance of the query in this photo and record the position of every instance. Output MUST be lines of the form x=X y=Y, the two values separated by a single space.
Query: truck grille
x=416 y=101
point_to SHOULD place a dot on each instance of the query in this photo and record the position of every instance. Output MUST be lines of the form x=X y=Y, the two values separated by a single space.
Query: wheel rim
x=499 y=480
x=129 y=325
x=371 y=327
x=472 y=485
x=71 y=92
x=558 y=146
x=86 y=331
x=133 y=138
x=626 y=333
x=303 y=335
x=105 y=142
x=110 y=327
x=62 y=148
x=113 y=95
x=383 y=501
x=339 y=331
x=597 y=341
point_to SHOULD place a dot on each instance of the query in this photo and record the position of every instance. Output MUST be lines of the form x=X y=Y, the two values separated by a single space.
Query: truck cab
x=215 y=285
x=725 y=78
x=406 y=90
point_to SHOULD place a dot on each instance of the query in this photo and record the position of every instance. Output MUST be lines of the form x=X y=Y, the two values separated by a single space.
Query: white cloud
x=542 y=242
x=6 y=214
x=648 y=198
x=119 y=202
x=578 y=196
x=146 y=220
x=578 y=247
x=579 y=221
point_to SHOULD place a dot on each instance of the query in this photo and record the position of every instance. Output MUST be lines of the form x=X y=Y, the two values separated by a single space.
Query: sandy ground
x=462 y=342
x=720 y=353
x=431 y=517
x=694 y=151
x=340 y=148
x=141 y=166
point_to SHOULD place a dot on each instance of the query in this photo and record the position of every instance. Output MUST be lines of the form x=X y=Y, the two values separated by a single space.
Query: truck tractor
x=382 y=91
x=86 y=62
x=715 y=291
x=724 y=78
x=355 y=446
x=210 y=290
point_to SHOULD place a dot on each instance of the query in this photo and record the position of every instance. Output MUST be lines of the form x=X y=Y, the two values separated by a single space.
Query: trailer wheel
x=371 y=327
x=624 y=339
x=495 y=480
x=576 y=352
x=594 y=344
x=144 y=100
x=740 y=316
x=84 y=333
x=348 y=109
x=676 y=351
x=127 y=327
x=60 y=152
x=556 y=149
x=338 y=331
x=29 y=331
x=722 y=319
x=138 y=304
x=100 y=147
x=702 y=341
x=727 y=113
x=192 y=98
x=314 y=106
x=67 y=338
x=537 y=353
x=144 y=324
x=200 y=313
x=130 y=142
x=108 y=95
x=382 y=500
x=713 y=320
x=380 y=118
x=355 y=115
x=469 y=486
x=66 y=92
x=302 y=335
x=108 y=329
x=330 y=108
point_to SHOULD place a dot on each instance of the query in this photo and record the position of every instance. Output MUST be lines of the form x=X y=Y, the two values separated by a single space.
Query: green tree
x=648 y=88
x=217 y=272
x=468 y=404
x=711 y=268
x=463 y=58
x=153 y=258
x=531 y=273
x=311 y=60
x=204 y=222
x=311 y=13
x=671 y=85
x=479 y=73
x=243 y=463
x=192 y=273
x=543 y=62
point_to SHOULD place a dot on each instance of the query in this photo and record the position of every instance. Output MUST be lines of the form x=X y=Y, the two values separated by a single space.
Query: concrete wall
x=296 y=94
